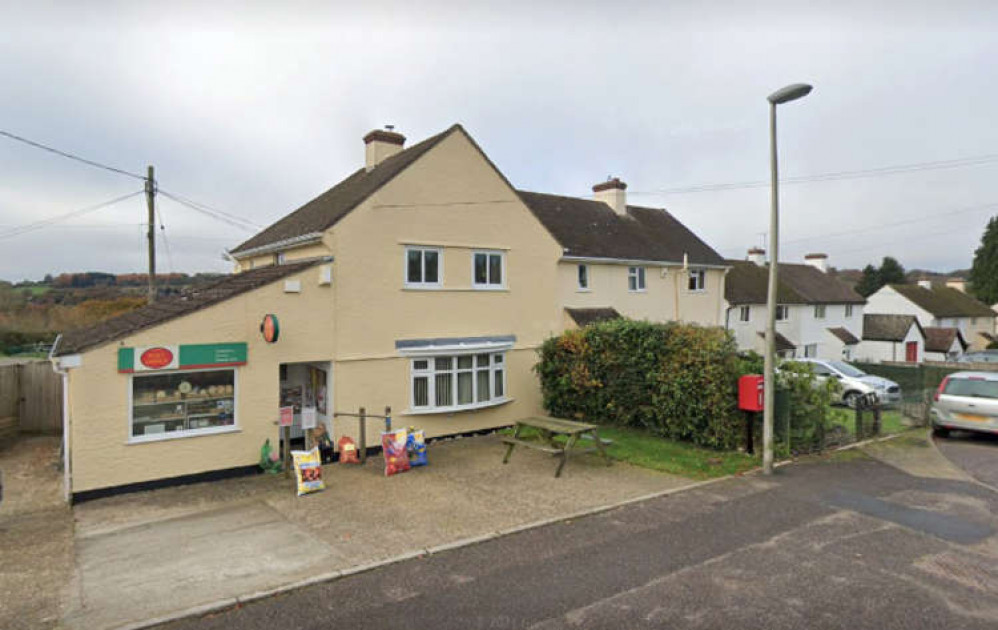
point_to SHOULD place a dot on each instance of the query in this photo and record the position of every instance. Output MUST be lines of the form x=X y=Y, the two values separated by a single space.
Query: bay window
x=456 y=382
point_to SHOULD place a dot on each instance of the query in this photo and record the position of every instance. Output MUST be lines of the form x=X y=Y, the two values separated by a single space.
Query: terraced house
x=423 y=281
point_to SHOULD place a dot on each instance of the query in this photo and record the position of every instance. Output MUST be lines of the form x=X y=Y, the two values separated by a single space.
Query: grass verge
x=891 y=420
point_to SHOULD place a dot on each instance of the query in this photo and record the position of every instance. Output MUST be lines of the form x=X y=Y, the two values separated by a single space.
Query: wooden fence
x=30 y=399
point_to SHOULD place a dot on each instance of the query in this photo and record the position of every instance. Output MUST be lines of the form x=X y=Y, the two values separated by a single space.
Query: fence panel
x=41 y=388
x=10 y=395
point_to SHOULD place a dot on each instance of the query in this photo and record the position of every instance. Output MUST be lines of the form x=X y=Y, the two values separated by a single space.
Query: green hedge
x=14 y=341
x=676 y=380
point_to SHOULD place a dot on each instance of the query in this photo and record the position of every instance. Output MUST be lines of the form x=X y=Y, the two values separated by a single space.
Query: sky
x=252 y=109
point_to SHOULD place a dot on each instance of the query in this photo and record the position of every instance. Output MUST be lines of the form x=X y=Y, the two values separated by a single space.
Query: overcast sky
x=254 y=109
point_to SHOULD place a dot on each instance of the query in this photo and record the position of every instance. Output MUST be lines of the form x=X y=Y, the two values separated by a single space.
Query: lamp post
x=783 y=95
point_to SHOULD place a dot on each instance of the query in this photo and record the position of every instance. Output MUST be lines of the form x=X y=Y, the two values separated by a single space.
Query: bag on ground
x=416 y=445
x=396 y=456
x=348 y=451
x=308 y=471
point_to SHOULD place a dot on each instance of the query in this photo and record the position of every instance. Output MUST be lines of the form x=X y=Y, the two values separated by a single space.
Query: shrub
x=676 y=380
x=809 y=402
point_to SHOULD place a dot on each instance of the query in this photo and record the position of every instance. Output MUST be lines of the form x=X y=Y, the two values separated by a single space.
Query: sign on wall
x=270 y=328
x=181 y=357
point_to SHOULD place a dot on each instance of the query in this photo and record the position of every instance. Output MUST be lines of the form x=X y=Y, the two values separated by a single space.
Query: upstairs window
x=422 y=267
x=744 y=313
x=782 y=312
x=698 y=280
x=488 y=270
x=636 y=279
x=583 y=277
x=819 y=311
x=848 y=310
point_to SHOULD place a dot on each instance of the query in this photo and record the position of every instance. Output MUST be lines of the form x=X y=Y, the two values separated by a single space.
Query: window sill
x=457 y=289
x=637 y=290
x=180 y=435
x=423 y=287
x=452 y=410
x=486 y=287
x=583 y=290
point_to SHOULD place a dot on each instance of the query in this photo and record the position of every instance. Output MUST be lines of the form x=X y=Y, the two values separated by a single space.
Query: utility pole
x=151 y=204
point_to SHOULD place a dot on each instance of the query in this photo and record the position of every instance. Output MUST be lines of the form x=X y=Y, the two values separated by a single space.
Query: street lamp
x=783 y=95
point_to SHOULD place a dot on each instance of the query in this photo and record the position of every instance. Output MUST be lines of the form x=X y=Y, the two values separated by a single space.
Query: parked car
x=980 y=356
x=966 y=401
x=854 y=381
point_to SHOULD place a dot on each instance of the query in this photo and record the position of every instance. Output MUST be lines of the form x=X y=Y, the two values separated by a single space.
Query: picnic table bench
x=549 y=429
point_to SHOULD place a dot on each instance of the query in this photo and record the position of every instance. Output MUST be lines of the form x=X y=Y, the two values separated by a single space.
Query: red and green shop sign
x=181 y=357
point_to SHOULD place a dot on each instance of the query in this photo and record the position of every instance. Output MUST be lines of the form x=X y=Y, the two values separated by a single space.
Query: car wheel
x=939 y=431
x=850 y=399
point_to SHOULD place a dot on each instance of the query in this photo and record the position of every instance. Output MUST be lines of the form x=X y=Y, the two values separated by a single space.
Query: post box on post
x=750 y=400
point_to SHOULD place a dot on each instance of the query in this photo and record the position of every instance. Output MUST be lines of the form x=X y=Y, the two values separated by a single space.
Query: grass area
x=891 y=420
x=644 y=449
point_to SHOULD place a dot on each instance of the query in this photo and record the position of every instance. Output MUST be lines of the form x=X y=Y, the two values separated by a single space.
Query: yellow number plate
x=973 y=418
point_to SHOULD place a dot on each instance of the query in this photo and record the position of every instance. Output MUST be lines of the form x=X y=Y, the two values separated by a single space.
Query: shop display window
x=183 y=403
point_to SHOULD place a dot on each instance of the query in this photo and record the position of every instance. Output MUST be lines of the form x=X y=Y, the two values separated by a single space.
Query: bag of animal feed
x=393 y=447
x=308 y=471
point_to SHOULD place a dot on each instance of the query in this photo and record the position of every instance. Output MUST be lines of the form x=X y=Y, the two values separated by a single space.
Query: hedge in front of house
x=676 y=380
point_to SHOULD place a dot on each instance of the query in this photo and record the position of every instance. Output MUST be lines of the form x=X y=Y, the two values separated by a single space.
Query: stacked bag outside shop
x=403 y=450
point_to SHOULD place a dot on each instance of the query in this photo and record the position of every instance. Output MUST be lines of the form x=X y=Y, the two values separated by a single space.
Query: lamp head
x=789 y=93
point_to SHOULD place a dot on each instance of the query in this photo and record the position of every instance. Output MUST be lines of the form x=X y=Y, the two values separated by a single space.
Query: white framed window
x=488 y=270
x=583 y=277
x=457 y=382
x=782 y=312
x=697 y=280
x=424 y=267
x=744 y=313
x=810 y=351
x=636 y=279
x=848 y=310
x=819 y=311
x=181 y=404
x=279 y=258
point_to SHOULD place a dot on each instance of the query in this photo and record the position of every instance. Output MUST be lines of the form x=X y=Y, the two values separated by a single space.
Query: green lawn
x=646 y=450
x=890 y=421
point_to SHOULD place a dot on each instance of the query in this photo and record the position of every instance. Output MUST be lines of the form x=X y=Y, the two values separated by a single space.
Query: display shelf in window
x=182 y=402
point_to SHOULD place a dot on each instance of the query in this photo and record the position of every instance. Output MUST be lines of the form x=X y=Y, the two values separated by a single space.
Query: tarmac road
x=975 y=453
x=847 y=543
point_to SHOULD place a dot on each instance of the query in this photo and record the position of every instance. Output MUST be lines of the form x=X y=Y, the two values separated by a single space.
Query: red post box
x=750 y=392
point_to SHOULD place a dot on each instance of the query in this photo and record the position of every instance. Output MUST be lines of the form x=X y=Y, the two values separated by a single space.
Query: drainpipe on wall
x=66 y=475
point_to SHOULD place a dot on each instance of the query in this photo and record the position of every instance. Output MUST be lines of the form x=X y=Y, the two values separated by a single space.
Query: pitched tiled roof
x=888 y=327
x=325 y=210
x=586 y=316
x=844 y=335
x=747 y=283
x=940 y=339
x=943 y=301
x=782 y=343
x=591 y=229
x=165 y=309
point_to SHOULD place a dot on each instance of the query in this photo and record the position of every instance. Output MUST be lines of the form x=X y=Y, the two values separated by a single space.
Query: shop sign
x=181 y=357
x=270 y=328
x=287 y=416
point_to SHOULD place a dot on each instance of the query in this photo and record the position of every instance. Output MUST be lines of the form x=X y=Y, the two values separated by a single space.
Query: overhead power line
x=833 y=176
x=218 y=215
x=37 y=225
x=64 y=154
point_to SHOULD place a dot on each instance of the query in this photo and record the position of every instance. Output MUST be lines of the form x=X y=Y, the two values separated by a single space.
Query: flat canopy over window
x=452 y=345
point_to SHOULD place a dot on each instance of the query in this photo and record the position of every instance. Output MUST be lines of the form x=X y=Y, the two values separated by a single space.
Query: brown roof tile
x=888 y=327
x=940 y=339
x=782 y=343
x=747 y=283
x=943 y=301
x=586 y=316
x=170 y=308
x=844 y=335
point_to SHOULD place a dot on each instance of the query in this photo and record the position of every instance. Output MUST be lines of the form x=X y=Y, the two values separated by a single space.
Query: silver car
x=967 y=401
x=854 y=381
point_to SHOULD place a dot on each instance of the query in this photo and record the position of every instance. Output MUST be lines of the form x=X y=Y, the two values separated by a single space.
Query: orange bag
x=348 y=451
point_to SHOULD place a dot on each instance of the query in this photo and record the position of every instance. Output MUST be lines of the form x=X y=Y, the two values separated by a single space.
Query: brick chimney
x=957 y=283
x=380 y=145
x=757 y=255
x=818 y=261
x=613 y=193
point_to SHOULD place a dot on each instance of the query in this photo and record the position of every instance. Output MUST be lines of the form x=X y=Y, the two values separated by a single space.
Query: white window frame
x=422 y=262
x=638 y=275
x=699 y=278
x=782 y=308
x=498 y=363
x=820 y=311
x=848 y=310
x=489 y=285
x=188 y=433
x=811 y=351
x=745 y=314
x=582 y=278
x=280 y=258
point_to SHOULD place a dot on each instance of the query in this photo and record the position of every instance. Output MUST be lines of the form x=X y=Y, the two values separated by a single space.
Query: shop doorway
x=306 y=387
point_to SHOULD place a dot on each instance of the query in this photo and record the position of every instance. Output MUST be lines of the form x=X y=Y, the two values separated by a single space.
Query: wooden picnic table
x=549 y=429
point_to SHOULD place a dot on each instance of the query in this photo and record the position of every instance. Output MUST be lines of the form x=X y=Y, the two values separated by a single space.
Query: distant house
x=938 y=306
x=816 y=314
x=891 y=338
x=943 y=344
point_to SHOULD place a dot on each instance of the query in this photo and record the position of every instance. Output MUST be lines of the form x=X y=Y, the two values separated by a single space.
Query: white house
x=938 y=306
x=816 y=314
x=891 y=338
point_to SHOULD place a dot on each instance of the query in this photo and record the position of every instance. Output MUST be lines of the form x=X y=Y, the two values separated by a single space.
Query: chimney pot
x=818 y=261
x=381 y=145
x=613 y=193
x=757 y=255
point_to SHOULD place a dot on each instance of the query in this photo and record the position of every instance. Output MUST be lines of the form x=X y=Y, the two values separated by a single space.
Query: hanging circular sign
x=270 y=328
x=155 y=358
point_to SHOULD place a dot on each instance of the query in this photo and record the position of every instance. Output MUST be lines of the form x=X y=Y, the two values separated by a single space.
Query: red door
x=911 y=352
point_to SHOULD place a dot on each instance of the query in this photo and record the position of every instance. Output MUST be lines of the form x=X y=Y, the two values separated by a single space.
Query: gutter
x=635 y=262
x=294 y=241
x=67 y=476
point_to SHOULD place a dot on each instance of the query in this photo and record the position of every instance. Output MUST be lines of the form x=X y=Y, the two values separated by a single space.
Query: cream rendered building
x=423 y=282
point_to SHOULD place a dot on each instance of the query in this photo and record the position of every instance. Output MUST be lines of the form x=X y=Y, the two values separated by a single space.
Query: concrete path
x=152 y=554
x=839 y=542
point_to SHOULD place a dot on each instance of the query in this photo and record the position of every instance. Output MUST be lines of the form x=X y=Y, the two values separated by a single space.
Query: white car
x=854 y=381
